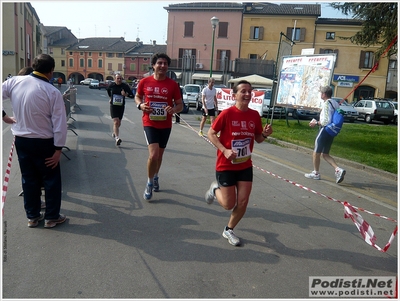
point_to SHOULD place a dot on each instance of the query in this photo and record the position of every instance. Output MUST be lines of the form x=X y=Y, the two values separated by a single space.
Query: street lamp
x=214 y=22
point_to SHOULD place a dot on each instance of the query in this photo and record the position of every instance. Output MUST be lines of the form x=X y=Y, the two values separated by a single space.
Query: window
x=253 y=56
x=366 y=59
x=109 y=54
x=81 y=53
x=62 y=63
x=119 y=67
x=89 y=54
x=81 y=63
x=327 y=51
x=119 y=54
x=145 y=67
x=71 y=62
x=299 y=34
x=109 y=66
x=186 y=58
x=63 y=51
x=132 y=67
x=22 y=39
x=188 y=31
x=100 y=63
x=100 y=54
x=330 y=35
x=222 y=29
x=51 y=50
x=256 y=33
x=89 y=63
x=223 y=57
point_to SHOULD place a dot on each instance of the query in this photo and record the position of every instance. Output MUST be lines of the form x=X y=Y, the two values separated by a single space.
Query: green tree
x=379 y=23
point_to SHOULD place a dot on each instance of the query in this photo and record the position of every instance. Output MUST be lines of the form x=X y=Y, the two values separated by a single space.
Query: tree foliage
x=379 y=23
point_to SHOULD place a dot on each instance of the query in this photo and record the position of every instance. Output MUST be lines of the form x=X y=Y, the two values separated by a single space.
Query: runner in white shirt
x=210 y=105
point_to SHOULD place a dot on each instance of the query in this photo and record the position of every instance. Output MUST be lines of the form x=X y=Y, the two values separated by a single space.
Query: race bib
x=118 y=100
x=242 y=148
x=158 y=112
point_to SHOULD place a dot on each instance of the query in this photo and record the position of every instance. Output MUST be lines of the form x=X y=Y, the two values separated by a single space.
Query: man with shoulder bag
x=324 y=140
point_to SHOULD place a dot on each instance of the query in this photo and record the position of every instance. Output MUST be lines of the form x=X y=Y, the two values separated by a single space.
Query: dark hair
x=43 y=63
x=160 y=56
x=239 y=83
x=25 y=71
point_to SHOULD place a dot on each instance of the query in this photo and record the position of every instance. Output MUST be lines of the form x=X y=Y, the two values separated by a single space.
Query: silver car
x=351 y=114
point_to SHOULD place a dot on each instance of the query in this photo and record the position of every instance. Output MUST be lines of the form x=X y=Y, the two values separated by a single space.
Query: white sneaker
x=313 y=175
x=210 y=194
x=339 y=173
x=231 y=237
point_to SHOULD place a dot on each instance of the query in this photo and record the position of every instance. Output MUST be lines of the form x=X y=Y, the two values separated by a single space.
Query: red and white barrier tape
x=363 y=227
x=7 y=177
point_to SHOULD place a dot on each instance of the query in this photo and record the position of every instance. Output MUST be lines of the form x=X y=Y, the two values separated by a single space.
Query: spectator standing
x=159 y=97
x=40 y=135
x=210 y=104
x=323 y=141
x=239 y=126
x=117 y=91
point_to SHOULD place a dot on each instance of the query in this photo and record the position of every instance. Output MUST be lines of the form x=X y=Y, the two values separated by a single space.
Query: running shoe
x=313 y=175
x=210 y=194
x=118 y=141
x=340 y=173
x=200 y=133
x=156 y=185
x=148 y=192
x=231 y=237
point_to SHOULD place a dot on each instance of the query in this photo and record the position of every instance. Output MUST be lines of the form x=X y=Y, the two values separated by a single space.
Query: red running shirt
x=158 y=95
x=237 y=130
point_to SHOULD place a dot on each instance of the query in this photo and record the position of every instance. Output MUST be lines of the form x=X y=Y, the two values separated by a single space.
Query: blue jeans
x=32 y=153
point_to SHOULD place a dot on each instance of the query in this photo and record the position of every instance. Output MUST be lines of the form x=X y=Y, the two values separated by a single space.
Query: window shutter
x=289 y=32
x=337 y=56
x=251 y=32
x=223 y=30
x=302 y=34
x=261 y=35
x=218 y=59
x=362 y=59
x=194 y=54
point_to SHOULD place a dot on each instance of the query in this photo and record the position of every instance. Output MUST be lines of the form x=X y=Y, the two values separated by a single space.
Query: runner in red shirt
x=159 y=97
x=239 y=126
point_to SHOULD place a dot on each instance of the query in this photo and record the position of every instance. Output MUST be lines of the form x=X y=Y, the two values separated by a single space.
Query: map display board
x=301 y=78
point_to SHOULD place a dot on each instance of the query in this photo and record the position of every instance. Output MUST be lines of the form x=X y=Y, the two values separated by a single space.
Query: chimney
x=154 y=42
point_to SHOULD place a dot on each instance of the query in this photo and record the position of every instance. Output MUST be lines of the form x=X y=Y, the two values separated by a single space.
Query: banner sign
x=226 y=99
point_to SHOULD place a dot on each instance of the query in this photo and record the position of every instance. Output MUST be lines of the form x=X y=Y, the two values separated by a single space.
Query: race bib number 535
x=159 y=113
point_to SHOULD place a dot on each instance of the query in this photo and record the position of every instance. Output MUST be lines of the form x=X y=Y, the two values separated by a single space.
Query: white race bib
x=158 y=111
x=242 y=148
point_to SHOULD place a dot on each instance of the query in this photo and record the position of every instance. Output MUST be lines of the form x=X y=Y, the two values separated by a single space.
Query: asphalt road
x=116 y=245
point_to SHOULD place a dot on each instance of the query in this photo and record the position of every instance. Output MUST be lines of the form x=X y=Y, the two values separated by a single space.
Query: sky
x=146 y=20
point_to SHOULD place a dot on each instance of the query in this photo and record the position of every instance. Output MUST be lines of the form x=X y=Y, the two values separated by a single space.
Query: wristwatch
x=138 y=106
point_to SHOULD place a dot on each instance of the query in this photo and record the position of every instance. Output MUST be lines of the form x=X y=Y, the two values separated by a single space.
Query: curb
x=353 y=164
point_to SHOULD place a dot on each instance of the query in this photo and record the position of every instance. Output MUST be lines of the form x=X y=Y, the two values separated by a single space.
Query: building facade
x=21 y=37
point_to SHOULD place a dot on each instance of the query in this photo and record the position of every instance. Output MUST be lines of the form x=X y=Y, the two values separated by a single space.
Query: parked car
x=94 y=84
x=394 y=104
x=193 y=94
x=267 y=108
x=185 y=101
x=375 y=109
x=351 y=114
x=301 y=113
x=103 y=85
x=86 y=81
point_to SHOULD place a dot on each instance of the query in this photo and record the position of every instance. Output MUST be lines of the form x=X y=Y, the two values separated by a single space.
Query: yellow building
x=292 y=28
